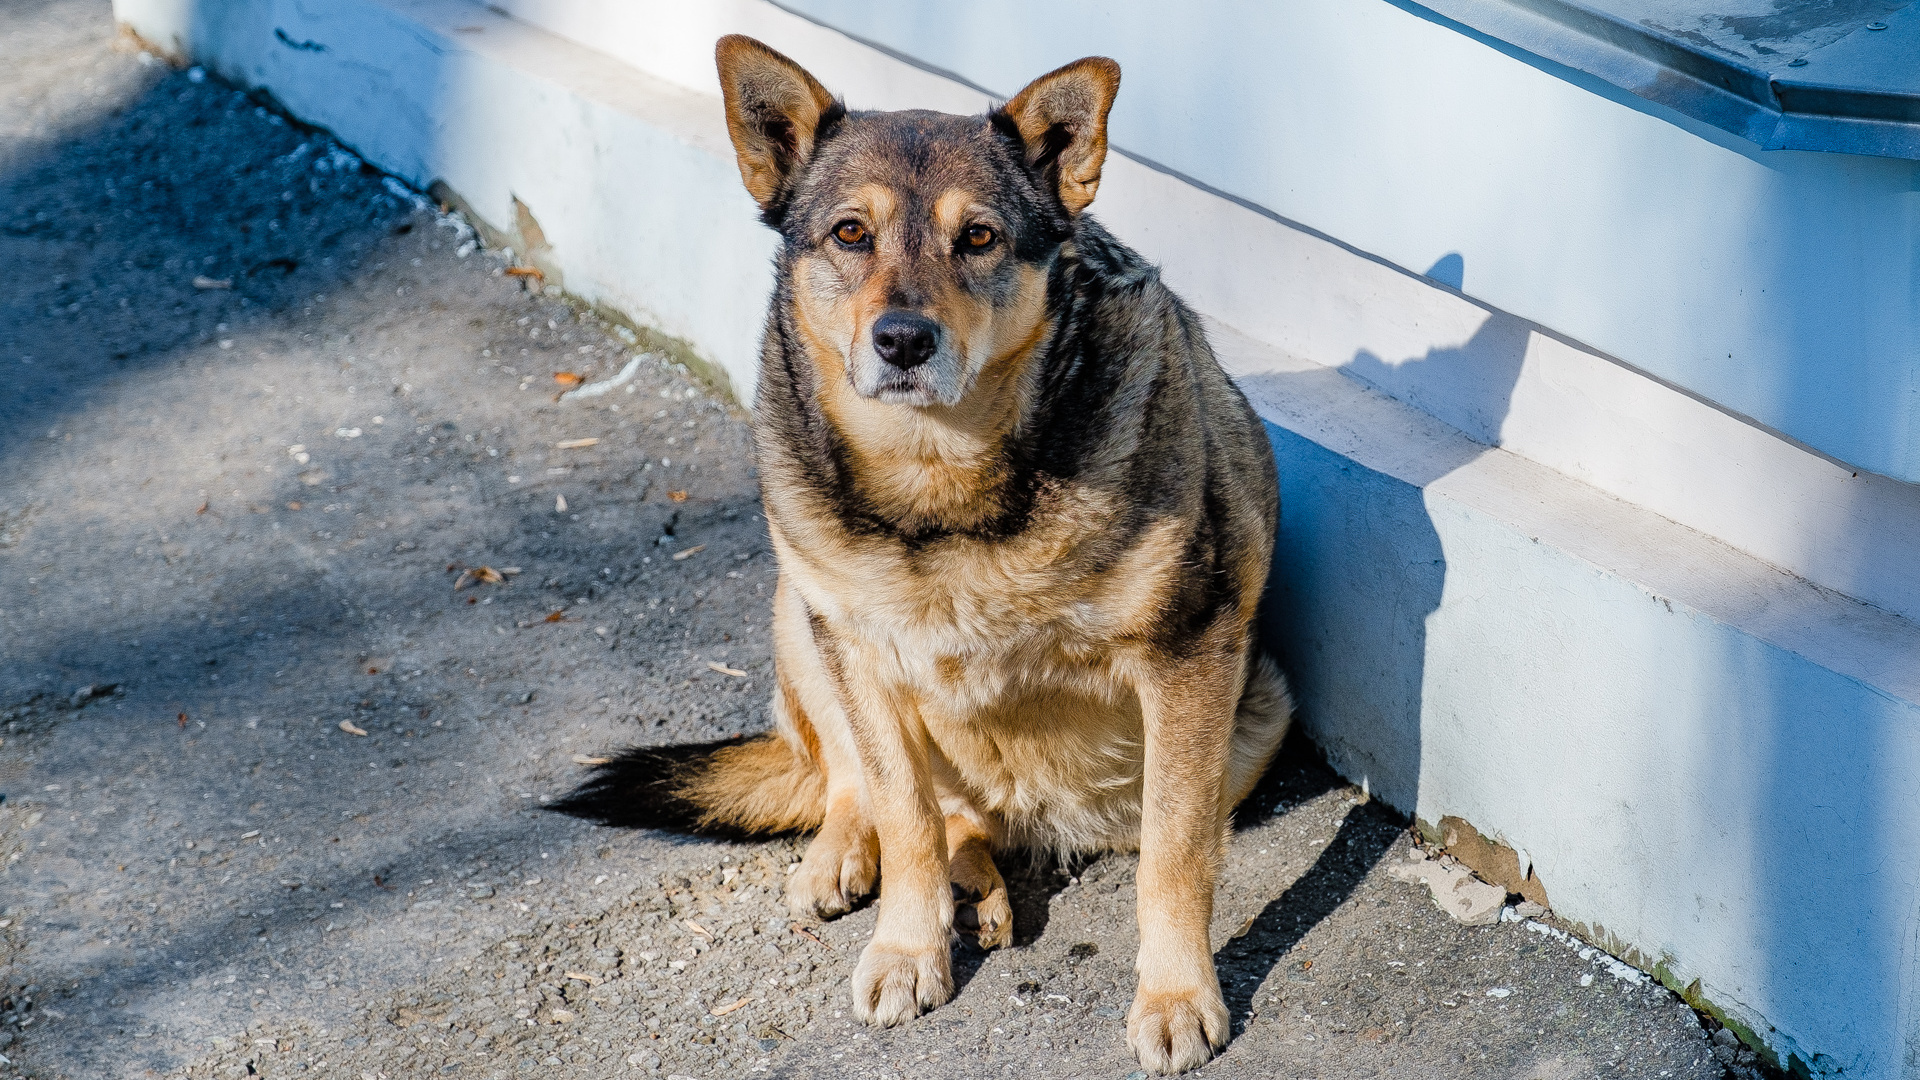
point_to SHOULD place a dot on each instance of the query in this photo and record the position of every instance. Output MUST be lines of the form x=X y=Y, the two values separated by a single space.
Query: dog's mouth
x=896 y=387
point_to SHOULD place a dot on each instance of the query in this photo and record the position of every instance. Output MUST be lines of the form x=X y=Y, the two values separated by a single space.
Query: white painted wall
x=1514 y=384
x=1703 y=757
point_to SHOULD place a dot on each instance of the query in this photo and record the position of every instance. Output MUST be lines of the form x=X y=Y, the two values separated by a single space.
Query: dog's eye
x=979 y=236
x=850 y=233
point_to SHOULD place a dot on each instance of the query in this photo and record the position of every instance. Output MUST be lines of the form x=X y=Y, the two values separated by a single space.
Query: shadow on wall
x=1764 y=797
x=1358 y=566
x=1358 y=569
x=1469 y=385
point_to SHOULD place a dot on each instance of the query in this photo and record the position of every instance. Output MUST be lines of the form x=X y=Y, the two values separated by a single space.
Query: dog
x=1022 y=521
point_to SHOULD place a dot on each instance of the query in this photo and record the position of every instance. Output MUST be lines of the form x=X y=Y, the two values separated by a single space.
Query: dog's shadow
x=1246 y=962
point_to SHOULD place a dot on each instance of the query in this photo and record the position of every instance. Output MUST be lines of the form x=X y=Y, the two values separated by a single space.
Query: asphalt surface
x=262 y=412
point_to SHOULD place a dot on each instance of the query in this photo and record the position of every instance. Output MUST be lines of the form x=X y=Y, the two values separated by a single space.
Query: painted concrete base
x=1707 y=760
x=1711 y=764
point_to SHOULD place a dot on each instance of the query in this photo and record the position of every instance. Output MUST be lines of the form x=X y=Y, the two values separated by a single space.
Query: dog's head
x=918 y=244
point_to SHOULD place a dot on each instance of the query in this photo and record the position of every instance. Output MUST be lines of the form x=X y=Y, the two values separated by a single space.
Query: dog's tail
x=734 y=788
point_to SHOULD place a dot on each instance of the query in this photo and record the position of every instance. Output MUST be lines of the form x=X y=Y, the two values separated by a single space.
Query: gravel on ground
x=314 y=593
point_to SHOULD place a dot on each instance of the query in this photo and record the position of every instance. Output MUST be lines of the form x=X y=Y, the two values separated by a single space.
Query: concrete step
x=1708 y=763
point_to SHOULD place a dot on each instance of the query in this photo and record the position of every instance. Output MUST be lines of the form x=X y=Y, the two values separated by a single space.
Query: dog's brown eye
x=850 y=233
x=979 y=236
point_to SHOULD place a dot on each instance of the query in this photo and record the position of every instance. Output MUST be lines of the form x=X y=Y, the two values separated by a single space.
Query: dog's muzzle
x=907 y=359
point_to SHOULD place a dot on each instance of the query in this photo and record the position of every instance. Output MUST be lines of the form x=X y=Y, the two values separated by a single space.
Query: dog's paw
x=989 y=918
x=1171 y=1032
x=834 y=875
x=892 y=985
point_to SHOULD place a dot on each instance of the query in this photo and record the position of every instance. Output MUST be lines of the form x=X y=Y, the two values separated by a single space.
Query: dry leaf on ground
x=352 y=728
x=677 y=496
x=474 y=574
x=568 y=378
x=722 y=1010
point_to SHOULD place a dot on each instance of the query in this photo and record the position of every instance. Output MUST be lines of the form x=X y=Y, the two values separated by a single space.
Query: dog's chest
x=1060 y=589
x=1017 y=657
x=1045 y=734
x=1017 y=653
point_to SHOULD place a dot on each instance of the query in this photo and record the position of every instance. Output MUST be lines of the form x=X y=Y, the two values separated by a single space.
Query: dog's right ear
x=774 y=109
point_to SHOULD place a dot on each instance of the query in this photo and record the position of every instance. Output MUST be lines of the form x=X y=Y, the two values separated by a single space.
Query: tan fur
x=760 y=785
x=948 y=698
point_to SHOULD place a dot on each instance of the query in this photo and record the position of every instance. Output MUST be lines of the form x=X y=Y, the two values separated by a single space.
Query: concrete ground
x=273 y=783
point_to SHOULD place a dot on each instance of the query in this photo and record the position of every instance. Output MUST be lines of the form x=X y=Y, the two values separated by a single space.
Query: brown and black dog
x=1022 y=521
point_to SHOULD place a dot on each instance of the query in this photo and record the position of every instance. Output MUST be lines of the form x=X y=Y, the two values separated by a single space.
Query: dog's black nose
x=904 y=339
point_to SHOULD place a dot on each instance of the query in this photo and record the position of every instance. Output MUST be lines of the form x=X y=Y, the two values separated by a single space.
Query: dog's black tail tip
x=641 y=788
x=729 y=789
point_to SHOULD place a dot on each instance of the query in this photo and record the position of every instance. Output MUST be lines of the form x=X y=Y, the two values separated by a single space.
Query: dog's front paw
x=892 y=985
x=836 y=873
x=1171 y=1032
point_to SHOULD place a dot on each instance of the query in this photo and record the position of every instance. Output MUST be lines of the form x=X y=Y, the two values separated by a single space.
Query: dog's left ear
x=774 y=109
x=1062 y=118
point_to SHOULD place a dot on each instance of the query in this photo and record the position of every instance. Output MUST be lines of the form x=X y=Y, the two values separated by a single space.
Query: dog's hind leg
x=1259 y=724
x=842 y=864
x=979 y=892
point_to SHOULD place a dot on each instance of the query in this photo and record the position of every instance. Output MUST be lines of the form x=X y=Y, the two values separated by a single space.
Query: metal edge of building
x=1852 y=96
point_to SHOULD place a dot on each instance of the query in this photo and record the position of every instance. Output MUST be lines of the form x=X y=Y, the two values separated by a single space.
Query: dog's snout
x=904 y=339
